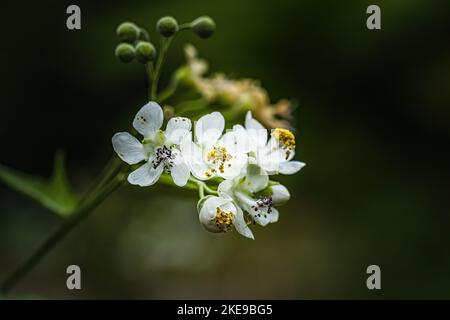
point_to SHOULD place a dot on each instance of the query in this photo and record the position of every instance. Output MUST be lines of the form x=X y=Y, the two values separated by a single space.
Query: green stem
x=164 y=47
x=188 y=108
x=203 y=186
x=167 y=93
x=201 y=191
x=111 y=169
x=81 y=213
x=193 y=184
x=165 y=44
x=184 y=26
x=148 y=70
x=167 y=180
x=209 y=190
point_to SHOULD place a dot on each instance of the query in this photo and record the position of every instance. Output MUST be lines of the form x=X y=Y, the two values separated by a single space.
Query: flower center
x=223 y=220
x=263 y=203
x=218 y=156
x=286 y=138
x=163 y=155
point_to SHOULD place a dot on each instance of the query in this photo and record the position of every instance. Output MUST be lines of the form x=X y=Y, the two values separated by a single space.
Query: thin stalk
x=165 y=44
x=78 y=215
x=148 y=70
x=203 y=186
x=111 y=169
x=201 y=191
x=164 y=47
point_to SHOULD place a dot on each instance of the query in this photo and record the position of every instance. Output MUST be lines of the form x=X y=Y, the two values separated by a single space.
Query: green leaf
x=54 y=193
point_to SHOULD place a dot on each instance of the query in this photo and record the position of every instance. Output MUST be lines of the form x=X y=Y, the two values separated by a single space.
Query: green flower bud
x=128 y=32
x=145 y=52
x=167 y=26
x=203 y=27
x=143 y=35
x=125 y=52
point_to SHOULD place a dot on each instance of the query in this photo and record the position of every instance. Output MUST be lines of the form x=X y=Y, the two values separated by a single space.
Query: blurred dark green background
x=373 y=125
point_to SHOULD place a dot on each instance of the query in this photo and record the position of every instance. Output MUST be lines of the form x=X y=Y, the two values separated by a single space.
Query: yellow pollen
x=218 y=156
x=286 y=138
x=223 y=220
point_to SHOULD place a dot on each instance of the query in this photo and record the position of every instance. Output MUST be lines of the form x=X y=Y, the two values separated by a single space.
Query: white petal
x=291 y=167
x=252 y=123
x=280 y=194
x=256 y=132
x=213 y=203
x=233 y=167
x=128 y=148
x=225 y=188
x=180 y=171
x=145 y=175
x=201 y=171
x=177 y=128
x=240 y=225
x=257 y=179
x=208 y=212
x=149 y=119
x=245 y=201
x=263 y=217
x=260 y=216
x=269 y=161
x=236 y=141
x=274 y=215
x=193 y=156
x=209 y=128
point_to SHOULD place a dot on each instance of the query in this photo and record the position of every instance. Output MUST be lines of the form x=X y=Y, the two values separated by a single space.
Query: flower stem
x=149 y=69
x=164 y=47
x=165 y=44
x=79 y=214
x=203 y=187
x=201 y=191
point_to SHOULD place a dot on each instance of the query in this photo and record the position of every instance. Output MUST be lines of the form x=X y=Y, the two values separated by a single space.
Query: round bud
x=143 y=35
x=167 y=26
x=128 y=32
x=145 y=52
x=124 y=52
x=203 y=27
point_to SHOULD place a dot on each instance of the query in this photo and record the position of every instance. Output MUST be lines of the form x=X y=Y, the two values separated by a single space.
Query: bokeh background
x=373 y=127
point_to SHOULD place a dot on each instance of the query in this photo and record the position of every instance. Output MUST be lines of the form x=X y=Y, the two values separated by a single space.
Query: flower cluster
x=233 y=166
x=243 y=94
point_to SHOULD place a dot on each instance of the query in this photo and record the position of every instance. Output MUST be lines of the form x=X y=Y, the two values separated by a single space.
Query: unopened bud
x=145 y=52
x=167 y=26
x=124 y=52
x=203 y=27
x=128 y=32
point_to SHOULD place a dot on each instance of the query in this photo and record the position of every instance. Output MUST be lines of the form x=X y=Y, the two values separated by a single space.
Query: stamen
x=223 y=220
x=260 y=204
x=286 y=138
x=218 y=156
x=163 y=155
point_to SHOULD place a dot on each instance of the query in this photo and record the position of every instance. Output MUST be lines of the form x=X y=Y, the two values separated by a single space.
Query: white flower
x=159 y=150
x=219 y=214
x=255 y=195
x=213 y=154
x=273 y=155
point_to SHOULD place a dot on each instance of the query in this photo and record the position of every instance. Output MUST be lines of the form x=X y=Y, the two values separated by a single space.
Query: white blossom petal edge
x=274 y=155
x=219 y=214
x=160 y=150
